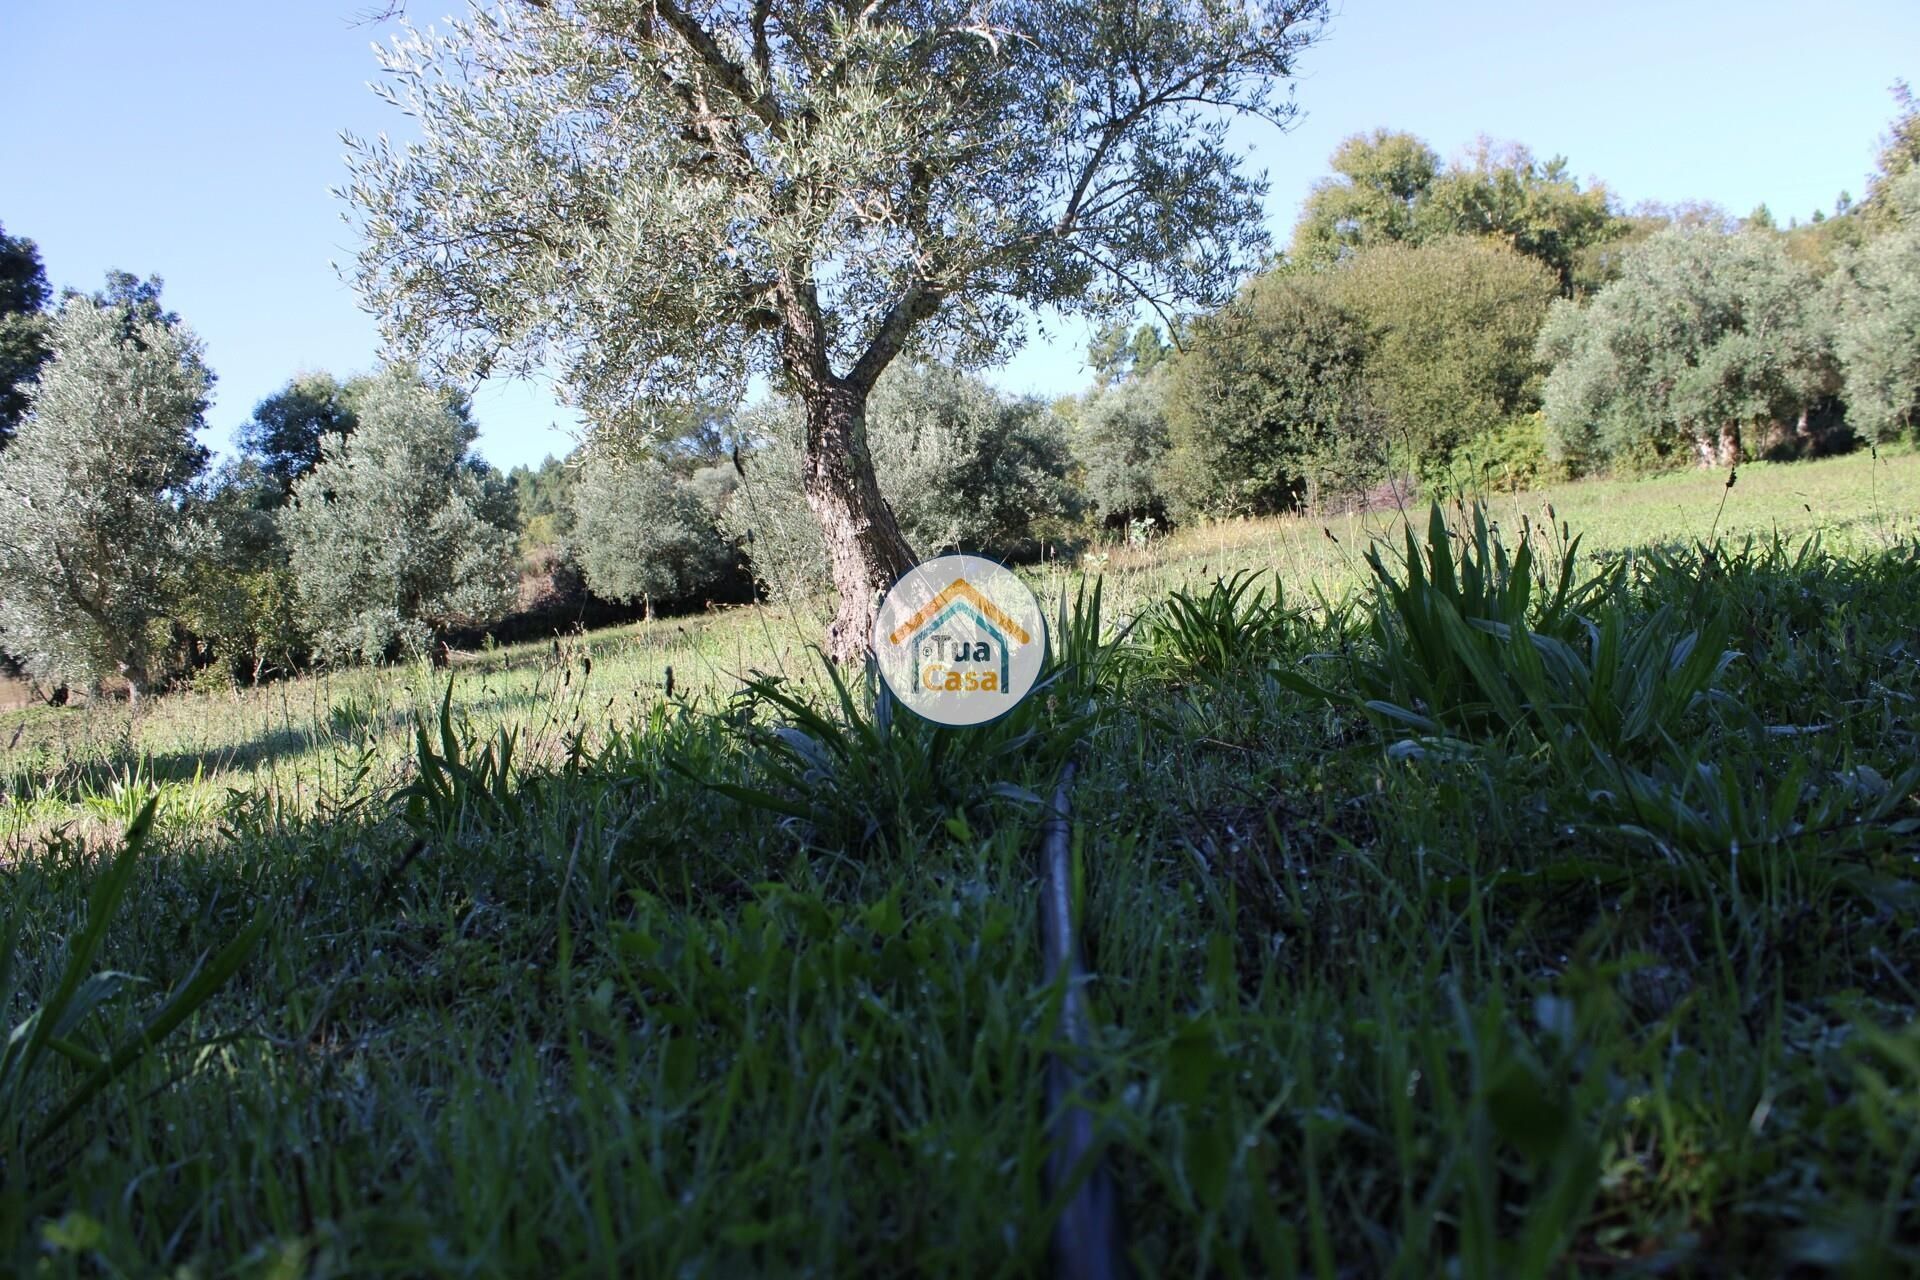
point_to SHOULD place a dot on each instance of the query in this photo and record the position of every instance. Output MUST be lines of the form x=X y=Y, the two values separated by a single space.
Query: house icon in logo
x=962 y=600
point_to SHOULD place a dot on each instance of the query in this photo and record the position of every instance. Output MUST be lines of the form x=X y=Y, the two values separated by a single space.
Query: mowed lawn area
x=1486 y=913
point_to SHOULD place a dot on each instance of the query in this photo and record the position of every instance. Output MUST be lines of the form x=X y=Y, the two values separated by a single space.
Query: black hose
x=1086 y=1238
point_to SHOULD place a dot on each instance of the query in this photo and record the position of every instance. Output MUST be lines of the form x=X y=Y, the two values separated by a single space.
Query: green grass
x=1436 y=927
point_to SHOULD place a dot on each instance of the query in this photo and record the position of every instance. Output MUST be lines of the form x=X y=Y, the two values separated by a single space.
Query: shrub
x=1451 y=326
x=1266 y=406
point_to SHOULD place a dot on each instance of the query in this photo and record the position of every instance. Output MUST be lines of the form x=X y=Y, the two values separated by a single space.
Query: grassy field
x=1438 y=927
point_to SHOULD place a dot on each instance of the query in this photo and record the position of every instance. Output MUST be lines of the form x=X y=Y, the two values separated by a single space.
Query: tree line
x=1486 y=322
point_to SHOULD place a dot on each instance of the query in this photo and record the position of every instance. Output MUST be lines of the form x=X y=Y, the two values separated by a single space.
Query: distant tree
x=92 y=537
x=1379 y=182
x=674 y=197
x=1534 y=207
x=286 y=433
x=1266 y=407
x=964 y=467
x=1120 y=439
x=1451 y=326
x=1705 y=338
x=23 y=326
x=1389 y=188
x=976 y=470
x=543 y=504
x=641 y=532
x=137 y=301
x=400 y=532
x=1118 y=353
x=1899 y=155
x=1876 y=300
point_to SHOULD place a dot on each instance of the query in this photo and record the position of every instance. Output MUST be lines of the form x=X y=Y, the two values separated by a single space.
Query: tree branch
x=731 y=75
x=918 y=302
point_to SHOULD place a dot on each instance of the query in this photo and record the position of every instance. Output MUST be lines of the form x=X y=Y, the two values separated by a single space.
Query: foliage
x=238 y=601
x=1510 y=457
x=287 y=434
x=953 y=159
x=962 y=466
x=400 y=532
x=668 y=201
x=1899 y=156
x=1120 y=441
x=1389 y=188
x=1237 y=624
x=36 y=1106
x=1119 y=354
x=135 y=301
x=1476 y=638
x=1374 y=196
x=1365 y=999
x=23 y=329
x=1266 y=406
x=1451 y=328
x=543 y=503
x=1876 y=297
x=640 y=532
x=1705 y=342
x=91 y=545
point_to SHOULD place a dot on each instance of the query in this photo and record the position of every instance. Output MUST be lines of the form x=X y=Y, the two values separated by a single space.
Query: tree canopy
x=1451 y=325
x=664 y=198
x=1704 y=337
x=93 y=537
x=1390 y=187
x=400 y=532
x=1267 y=404
x=1876 y=297
x=23 y=327
x=288 y=431
x=641 y=533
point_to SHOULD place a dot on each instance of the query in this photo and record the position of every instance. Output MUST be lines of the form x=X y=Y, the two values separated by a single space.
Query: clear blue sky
x=199 y=141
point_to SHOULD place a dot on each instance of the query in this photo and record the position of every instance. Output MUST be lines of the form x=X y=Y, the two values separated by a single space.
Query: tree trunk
x=1727 y=451
x=864 y=544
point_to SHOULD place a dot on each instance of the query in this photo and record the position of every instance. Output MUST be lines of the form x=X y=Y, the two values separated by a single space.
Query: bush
x=1507 y=458
x=1451 y=326
x=1266 y=406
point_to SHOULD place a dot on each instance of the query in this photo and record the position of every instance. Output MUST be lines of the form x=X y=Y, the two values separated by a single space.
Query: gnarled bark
x=866 y=549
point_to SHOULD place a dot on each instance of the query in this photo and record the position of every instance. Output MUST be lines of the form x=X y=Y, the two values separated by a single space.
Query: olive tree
x=1876 y=295
x=663 y=198
x=964 y=466
x=1704 y=337
x=92 y=533
x=1120 y=440
x=641 y=532
x=400 y=532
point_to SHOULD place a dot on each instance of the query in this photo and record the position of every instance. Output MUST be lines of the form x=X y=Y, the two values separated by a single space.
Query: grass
x=1437 y=925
